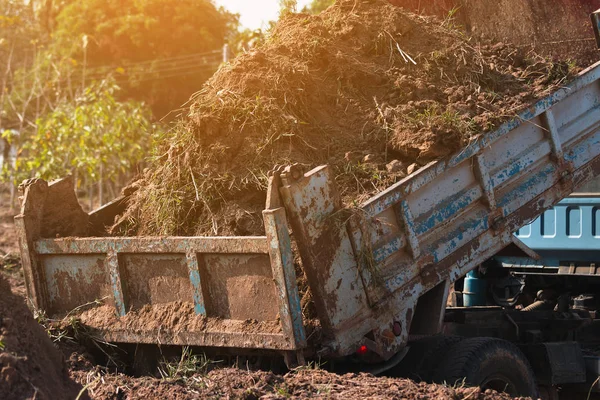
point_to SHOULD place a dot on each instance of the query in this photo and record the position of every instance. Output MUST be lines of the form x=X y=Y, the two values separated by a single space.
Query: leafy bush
x=95 y=136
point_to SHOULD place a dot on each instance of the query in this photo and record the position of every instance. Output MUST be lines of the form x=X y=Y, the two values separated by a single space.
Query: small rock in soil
x=395 y=166
x=412 y=168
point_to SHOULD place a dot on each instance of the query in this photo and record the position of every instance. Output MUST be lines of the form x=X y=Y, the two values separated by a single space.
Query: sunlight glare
x=255 y=14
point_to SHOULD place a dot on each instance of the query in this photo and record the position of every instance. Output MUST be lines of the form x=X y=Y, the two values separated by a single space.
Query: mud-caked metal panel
x=282 y=265
x=238 y=335
x=75 y=280
x=456 y=186
x=574 y=113
x=154 y=279
x=239 y=286
x=328 y=257
x=383 y=242
x=508 y=159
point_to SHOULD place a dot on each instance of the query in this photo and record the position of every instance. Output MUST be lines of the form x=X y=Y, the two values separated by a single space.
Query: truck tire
x=423 y=357
x=489 y=363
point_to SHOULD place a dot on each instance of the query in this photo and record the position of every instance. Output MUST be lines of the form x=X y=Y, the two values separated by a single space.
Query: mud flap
x=556 y=363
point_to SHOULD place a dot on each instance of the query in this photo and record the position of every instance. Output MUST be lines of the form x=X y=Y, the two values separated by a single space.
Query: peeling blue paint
x=388 y=249
x=287 y=260
x=448 y=210
x=468 y=229
x=194 y=273
x=282 y=263
x=524 y=190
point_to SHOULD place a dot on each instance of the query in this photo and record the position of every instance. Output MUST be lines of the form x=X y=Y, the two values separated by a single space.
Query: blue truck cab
x=568 y=232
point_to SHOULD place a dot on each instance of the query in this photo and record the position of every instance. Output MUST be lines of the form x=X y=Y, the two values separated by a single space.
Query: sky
x=255 y=14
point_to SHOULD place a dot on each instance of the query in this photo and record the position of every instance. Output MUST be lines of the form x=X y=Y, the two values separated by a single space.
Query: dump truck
x=427 y=278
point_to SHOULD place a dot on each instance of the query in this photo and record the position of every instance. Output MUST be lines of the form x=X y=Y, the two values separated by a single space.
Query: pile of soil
x=366 y=87
x=10 y=258
x=30 y=365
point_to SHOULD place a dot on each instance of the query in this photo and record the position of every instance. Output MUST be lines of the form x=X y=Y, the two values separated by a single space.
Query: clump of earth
x=30 y=365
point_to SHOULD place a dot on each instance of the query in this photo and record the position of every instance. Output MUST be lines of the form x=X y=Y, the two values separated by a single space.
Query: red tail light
x=362 y=350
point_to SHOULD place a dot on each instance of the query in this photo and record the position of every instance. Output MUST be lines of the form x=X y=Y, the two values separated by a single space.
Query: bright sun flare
x=255 y=14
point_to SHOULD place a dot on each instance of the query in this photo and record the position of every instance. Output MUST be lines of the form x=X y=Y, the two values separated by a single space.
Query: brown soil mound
x=10 y=258
x=362 y=78
x=30 y=365
x=233 y=383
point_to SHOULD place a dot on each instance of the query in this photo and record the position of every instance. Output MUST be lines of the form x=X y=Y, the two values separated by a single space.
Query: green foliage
x=94 y=135
x=160 y=51
x=450 y=20
x=141 y=30
x=55 y=56
x=130 y=36
x=47 y=12
x=317 y=6
x=18 y=28
x=19 y=38
x=283 y=391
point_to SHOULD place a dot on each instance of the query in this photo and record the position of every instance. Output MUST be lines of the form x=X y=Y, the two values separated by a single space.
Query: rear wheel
x=490 y=364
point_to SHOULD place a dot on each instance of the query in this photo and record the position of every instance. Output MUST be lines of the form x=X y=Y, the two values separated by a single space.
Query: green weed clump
x=188 y=365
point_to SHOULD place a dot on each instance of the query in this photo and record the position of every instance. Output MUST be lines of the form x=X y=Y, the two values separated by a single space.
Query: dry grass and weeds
x=234 y=383
x=362 y=78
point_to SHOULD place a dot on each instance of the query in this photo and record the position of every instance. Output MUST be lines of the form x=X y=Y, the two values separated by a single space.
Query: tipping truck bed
x=379 y=273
